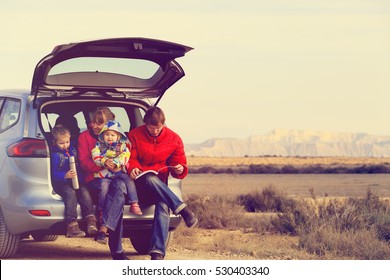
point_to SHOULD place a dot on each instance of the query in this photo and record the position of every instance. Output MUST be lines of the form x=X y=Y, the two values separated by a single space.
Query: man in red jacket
x=156 y=147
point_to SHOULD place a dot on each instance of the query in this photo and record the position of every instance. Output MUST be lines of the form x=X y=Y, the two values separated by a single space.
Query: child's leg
x=131 y=193
x=130 y=187
x=69 y=197
x=85 y=200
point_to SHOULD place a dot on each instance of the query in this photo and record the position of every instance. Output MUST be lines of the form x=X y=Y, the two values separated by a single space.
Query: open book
x=146 y=172
x=153 y=171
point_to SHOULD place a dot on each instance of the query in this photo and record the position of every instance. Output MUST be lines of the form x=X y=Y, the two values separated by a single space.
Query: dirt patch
x=224 y=244
x=203 y=244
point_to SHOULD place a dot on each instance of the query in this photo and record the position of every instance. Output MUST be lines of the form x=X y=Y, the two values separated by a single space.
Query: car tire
x=169 y=240
x=44 y=237
x=9 y=243
x=142 y=243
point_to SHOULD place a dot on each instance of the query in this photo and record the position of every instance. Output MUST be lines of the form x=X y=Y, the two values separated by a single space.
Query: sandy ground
x=269 y=247
x=87 y=249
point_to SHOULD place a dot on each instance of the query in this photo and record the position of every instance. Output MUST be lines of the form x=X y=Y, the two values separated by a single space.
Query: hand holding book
x=178 y=169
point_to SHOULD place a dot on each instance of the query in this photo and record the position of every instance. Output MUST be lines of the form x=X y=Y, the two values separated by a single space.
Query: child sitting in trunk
x=62 y=177
x=112 y=152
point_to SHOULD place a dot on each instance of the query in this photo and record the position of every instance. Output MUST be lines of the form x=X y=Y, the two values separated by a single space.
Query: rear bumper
x=132 y=227
x=24 y=223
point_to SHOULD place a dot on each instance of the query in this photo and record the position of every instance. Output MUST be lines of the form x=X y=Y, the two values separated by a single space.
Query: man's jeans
x=151 y=190
x=71 y=197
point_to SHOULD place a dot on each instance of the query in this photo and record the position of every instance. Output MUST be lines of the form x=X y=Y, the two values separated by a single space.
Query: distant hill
x=284 y=142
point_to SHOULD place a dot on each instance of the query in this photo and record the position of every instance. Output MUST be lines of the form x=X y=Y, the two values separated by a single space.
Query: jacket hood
x=115 y=126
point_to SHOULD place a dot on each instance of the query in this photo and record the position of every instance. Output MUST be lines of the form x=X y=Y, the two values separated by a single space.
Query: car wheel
x=142 y=243
x=44 y=237
x=170 y=238
x=9 y=243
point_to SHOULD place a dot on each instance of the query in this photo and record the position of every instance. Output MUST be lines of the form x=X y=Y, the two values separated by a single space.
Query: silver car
x=126 y=74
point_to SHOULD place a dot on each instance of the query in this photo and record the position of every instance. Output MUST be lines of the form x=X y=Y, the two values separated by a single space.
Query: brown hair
x=102 y=115
x=154 y=116
x=58 y=131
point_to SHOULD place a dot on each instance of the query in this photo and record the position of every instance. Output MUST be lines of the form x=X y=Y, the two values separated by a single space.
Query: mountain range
x=285 y=142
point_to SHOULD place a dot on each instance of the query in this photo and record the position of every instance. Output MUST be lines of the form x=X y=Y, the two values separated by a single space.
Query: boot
x=189 y=217
x=119 y=256
x=91 y=225
x=74 y=230
x=156 y=257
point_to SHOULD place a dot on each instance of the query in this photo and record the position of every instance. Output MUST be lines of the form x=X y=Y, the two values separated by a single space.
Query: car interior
x=77 y=115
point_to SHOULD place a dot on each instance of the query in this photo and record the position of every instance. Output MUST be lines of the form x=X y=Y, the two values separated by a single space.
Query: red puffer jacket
x=86 y=143
x=154 y=153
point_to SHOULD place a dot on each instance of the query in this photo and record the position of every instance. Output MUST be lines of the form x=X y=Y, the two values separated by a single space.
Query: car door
x=111 y=68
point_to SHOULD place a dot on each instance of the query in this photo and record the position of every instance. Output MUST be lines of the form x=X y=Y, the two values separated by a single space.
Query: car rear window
x=139 y=68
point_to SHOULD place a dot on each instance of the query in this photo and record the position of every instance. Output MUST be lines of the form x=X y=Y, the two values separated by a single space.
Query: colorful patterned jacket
x=118 y=151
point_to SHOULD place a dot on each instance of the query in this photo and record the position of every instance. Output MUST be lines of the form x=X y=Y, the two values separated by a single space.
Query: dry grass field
x=298 y=161
x=325 y=216
x=335 y=185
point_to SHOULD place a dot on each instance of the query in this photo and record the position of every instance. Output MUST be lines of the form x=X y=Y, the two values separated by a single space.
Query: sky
x=257 y=65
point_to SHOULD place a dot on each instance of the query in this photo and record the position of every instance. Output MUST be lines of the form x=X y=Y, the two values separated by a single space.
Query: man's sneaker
x=156 y=257
x=101 y=238
x=189 y=217
x=91 y=225
x=74 y=230
x=119 y=256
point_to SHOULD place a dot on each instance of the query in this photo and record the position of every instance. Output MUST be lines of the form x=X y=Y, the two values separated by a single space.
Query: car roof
x=14 y=93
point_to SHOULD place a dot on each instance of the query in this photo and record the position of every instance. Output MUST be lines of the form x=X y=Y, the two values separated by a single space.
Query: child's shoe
x=135 y=209
x=74 y=230
x=91 y=225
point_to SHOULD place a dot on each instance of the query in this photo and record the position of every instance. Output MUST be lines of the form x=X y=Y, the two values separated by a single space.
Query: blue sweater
x=60 y=165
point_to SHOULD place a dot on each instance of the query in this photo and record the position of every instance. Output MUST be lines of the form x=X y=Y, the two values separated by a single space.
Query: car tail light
x=40 y=213
x=28 y=147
